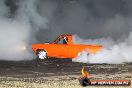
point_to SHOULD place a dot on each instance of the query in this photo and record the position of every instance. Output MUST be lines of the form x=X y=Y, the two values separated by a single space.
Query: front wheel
x=41 y=54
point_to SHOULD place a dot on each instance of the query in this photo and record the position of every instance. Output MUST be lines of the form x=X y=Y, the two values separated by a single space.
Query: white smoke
x=112 y=52
x=14 y=36
x=16 y=32
x=27 y=12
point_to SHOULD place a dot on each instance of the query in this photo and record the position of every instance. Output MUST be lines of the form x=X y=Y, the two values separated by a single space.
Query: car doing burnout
x=63 y=47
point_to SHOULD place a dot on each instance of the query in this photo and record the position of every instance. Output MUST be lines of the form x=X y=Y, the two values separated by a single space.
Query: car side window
x=62 y=41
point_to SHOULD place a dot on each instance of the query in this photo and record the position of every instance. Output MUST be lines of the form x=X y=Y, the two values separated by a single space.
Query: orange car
x=62 y=47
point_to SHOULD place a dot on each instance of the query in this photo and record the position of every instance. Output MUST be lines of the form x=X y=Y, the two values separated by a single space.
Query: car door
x=64 y=50
x=59 y=49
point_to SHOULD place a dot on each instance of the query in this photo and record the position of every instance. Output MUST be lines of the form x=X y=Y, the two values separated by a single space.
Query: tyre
x=41 y=54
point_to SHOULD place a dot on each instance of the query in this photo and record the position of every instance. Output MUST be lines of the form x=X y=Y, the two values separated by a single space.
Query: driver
x=65 y=40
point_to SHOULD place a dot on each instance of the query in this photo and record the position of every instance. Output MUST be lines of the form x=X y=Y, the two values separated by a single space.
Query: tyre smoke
x=111 y=53
x=17 y=29
x=105 y=22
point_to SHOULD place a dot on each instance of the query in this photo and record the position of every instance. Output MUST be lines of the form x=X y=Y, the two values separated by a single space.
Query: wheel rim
x=42 y=54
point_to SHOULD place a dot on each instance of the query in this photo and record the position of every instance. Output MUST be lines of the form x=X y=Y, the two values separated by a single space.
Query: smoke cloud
x=105 y=22
x=17 y=29
x=111 y=53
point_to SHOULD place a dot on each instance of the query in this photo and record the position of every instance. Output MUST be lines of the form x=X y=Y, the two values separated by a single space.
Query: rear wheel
x=41 y=54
